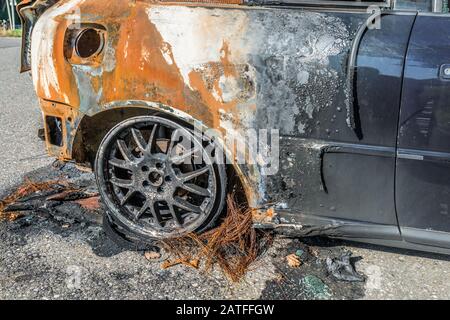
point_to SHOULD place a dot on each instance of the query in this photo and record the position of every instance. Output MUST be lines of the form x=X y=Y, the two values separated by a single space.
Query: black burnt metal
x=154 y=178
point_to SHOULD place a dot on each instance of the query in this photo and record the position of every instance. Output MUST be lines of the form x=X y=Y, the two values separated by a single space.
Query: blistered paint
x=46 y=53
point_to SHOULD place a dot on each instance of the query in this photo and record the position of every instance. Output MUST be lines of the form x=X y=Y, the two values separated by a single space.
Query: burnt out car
x=338 y=112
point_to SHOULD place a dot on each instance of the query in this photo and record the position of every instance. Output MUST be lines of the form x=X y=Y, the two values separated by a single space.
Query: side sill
x=302 y=225
x=426 y=237
x=399 y=244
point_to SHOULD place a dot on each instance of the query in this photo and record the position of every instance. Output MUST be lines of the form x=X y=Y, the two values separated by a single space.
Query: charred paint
x=231 y=67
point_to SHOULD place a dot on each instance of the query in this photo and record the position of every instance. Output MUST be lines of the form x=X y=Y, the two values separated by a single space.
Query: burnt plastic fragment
x=343 y=268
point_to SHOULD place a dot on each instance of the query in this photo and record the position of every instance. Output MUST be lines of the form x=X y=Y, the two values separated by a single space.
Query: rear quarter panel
x=231 y=67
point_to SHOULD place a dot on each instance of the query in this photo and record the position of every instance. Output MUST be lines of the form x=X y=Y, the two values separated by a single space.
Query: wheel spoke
x=145 y=206
x=156 y=216
x=122 y=183
x=151 y=140
x=139 y=139
x=176 y=217
x=173 y=139
x=127 y=196
x=196 y=189
x=183 y=204
x=120 y=163
x=179 y=159
x=126 y=153
x=191 y=175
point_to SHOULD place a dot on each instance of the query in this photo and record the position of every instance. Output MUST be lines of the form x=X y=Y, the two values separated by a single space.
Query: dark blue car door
x=423 y=153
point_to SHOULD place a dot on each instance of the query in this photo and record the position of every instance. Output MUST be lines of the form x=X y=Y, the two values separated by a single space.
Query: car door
x=423 y=153
x=332 y=174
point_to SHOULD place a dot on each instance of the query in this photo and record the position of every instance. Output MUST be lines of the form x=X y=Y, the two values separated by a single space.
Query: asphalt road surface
x=59 y=257
x=20 y=118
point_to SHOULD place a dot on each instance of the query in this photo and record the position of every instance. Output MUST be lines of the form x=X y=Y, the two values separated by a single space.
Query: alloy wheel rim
x=154 y=180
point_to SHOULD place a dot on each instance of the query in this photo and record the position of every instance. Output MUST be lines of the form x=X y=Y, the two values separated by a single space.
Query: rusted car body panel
x=231 y=67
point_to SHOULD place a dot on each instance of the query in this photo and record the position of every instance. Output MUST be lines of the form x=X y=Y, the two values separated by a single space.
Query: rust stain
x=142 y=72
x=96 y=82
x=263 y=215
x=91 y=204
x=137 y=64
x=144 y=67
x=66 y=81
x=68 y=115
x=228 y=68
x=207 y=96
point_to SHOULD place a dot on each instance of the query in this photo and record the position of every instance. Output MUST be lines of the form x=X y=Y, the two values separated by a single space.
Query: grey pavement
x=20 y=118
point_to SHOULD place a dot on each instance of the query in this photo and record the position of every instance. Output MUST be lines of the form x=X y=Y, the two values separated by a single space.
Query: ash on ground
x=289 y=269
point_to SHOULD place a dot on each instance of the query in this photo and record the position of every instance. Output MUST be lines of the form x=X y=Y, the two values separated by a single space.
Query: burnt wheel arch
x=92 y=130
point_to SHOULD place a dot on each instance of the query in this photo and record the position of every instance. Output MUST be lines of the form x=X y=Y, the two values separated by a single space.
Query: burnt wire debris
x=45 y=197
x=67 y=196
x=234 y=245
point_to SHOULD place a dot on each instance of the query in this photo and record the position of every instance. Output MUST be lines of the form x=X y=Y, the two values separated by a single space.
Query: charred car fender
x=72 y=131
x=231 y=67
x=237 y=71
